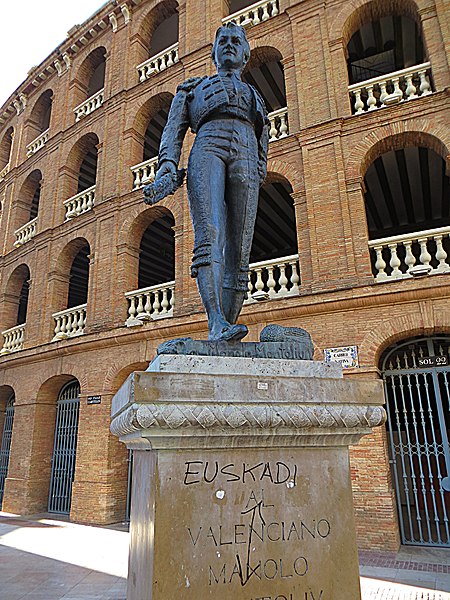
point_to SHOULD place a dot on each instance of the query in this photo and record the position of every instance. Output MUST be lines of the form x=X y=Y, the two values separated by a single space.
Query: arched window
x=26 y=208
x=15 y=307
x=79 y=278
x=265 y=72
x=71 y=291
x=385 y=55
x=160 y=28
x=89 y=93
x=5 y=151
x=248 y=13
x=274 y=268
x=81 y=180
x=88 y=170
x=406 y=199
x=37 y=128
x=154 y=298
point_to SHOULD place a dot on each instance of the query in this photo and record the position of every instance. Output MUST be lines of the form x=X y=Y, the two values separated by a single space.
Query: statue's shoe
x=233 y=333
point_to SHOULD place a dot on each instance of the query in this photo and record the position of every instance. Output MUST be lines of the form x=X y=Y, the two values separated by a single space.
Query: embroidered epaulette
x=190 y=84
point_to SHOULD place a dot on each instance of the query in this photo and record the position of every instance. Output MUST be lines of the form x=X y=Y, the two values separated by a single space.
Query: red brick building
x=351 y=242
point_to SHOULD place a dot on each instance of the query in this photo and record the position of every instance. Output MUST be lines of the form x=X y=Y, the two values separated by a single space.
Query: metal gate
x=64 y=449
x=416 y=374
x=6 y=444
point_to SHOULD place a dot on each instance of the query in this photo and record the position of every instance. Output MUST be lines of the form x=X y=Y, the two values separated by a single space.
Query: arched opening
x=39 y=122
x=382 y=40
x=149 y=124
x=64 y=448
x=81 y=179
x=7 y=402
x=79 y=278
x=5 y=151
x=406 y=193
x=14 y=310
x=274 y=268
x=90 y=82
x=70 y=293
x=26 y=208
x=265 y=72
x=158 y=40
x=154 y=298
x=165 y=34
x=88 y=170
x=416 y=374
x=157 y=252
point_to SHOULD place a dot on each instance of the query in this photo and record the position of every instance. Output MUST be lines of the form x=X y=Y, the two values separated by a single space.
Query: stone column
x=241 y=478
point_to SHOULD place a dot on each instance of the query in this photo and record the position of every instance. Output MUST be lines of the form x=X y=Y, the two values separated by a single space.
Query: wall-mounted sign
x=432 y=361
x=347 y=356
x=94 y=399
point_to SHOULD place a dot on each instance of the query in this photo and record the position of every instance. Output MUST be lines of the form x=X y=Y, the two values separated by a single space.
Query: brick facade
x=324 y=158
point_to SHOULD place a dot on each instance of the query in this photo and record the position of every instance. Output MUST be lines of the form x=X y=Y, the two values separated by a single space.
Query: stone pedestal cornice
x=191 y=410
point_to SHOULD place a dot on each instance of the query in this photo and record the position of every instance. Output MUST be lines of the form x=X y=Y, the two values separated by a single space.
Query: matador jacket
x=195 y=101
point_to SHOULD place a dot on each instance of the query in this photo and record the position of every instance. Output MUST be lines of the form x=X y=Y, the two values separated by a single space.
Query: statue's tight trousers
x=224 y=156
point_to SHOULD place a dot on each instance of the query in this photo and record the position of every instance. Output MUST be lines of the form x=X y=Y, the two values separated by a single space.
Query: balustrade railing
x=144 y=172
x=4 y=172
x=159 y=62
x=80 y=203
x=70 y=323
x=392 y=88
x=89 y=105
x=38 y=143
x=154 y=302
x=272 y=279
x=13 y=339
x=25 y=233
x=414 y=254
x=254 y=14
x=279 y=125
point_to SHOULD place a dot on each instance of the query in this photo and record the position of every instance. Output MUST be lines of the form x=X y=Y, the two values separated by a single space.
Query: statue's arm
x=173 y=134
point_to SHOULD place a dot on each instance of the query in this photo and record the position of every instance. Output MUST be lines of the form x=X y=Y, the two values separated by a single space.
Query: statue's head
x=231 y=49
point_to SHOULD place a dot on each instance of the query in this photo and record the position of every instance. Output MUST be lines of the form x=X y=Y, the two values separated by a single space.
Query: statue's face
x=229 y=50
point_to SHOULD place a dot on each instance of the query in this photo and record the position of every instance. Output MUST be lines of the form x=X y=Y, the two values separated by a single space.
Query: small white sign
x=347 y=356
x=262 y=385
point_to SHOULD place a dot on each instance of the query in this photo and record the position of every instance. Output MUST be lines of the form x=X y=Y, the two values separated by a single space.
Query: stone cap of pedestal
x=224 y=365
x=163 y=410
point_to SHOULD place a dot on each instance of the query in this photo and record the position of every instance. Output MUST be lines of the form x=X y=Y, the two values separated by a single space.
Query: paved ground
x=44 y=559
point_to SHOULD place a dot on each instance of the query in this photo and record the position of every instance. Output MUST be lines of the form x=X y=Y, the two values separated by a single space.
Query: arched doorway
x=6 y=444
x=416 y=375
x=64 y=448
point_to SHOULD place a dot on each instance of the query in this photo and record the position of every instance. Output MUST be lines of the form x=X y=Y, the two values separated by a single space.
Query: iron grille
x=6 y=445
x=418 y=407
x=65 y=449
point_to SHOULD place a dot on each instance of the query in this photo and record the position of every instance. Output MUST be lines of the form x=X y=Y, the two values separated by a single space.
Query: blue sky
x=30 y=30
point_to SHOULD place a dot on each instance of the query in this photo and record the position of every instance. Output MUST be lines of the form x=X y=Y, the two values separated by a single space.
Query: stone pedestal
x=241 y=479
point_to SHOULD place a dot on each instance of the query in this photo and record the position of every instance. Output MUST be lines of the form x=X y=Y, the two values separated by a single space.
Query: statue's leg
x=242 y=193
x=206 y=185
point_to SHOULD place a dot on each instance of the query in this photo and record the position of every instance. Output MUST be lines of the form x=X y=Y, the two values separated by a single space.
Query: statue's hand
x=166 y=167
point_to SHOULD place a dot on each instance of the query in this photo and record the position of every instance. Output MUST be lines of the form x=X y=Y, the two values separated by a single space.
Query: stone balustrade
x=144 y=172
x=25 y=233
x=154 y=302
x=89 y=105
x=392 y=88
x=80 y=203
x=159 y=62
x=273 y=279
x=70 y=323
x=4 y=172
x=254 y=14
x=279 y=125
x=38 y=143
x=414 y=254
x=13 y=339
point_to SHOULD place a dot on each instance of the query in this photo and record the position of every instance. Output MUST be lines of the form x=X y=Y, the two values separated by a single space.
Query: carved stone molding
x=232 y=417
